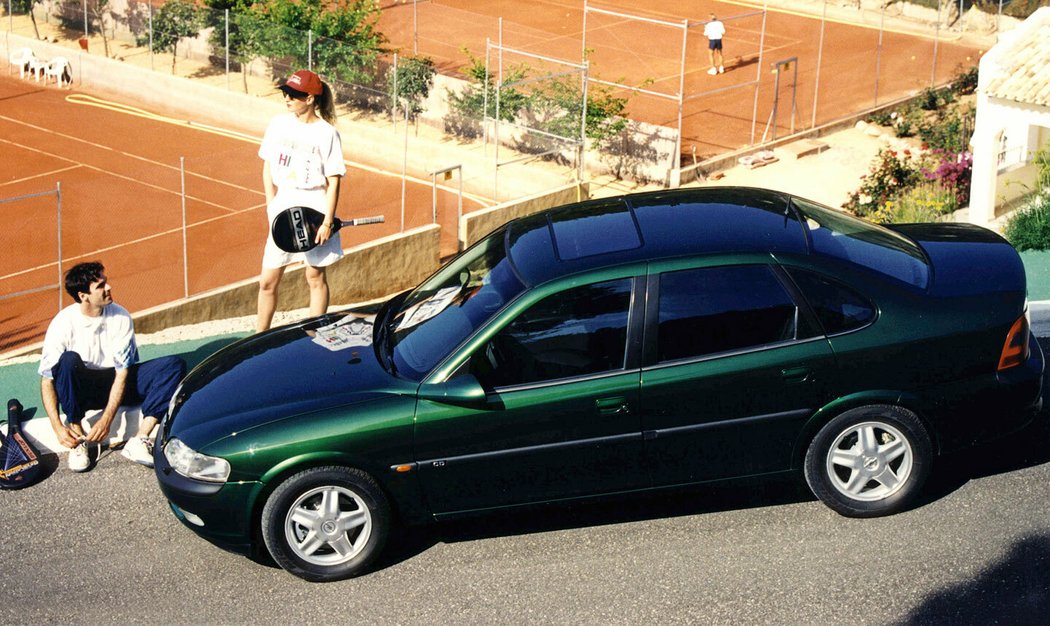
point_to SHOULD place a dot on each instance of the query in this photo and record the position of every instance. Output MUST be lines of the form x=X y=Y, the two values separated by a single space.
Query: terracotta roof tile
x=1024 y=63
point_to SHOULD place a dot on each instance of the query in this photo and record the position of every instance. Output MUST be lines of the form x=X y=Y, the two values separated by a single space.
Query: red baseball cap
x=303 y=81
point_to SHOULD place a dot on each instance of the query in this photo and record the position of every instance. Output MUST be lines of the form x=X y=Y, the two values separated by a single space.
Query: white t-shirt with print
x=104 y=341
x=301 y=157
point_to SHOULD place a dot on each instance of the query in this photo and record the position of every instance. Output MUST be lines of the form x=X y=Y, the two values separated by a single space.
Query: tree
x=242 y=44
x=26 y=6
x=561 y=103
x=415 y=76
x=478 y=100
x=345 y=40
x=173 y=21
x=99 y=11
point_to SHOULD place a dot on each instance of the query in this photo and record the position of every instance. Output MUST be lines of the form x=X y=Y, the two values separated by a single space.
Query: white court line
x=118 y=107
x=81 y=165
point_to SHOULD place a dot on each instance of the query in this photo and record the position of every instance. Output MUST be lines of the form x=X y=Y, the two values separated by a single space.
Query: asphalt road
x=101 y=547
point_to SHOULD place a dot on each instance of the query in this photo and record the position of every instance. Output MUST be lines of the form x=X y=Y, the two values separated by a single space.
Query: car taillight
x=1015 y=350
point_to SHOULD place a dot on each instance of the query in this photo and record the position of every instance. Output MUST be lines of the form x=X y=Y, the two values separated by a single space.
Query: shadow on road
x=1014 y=590
x=732 y=495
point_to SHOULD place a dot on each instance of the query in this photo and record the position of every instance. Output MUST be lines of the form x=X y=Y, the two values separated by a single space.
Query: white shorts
x=321 y=256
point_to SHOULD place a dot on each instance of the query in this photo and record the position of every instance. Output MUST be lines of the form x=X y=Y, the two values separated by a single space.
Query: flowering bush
x=890 y=174
x=953 y=171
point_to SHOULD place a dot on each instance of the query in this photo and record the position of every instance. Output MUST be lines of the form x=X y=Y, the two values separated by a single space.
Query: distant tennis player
x=715 y=30
x=302 y=165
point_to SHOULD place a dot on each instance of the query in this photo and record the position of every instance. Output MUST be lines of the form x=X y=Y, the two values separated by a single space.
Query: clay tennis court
x=720 y=112
x=120 y=174
x=121 y=202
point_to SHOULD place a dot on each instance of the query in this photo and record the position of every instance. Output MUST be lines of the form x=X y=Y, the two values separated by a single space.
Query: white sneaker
x=712 y=71
x=79 y=461
x=721 y=70
x=139 y=450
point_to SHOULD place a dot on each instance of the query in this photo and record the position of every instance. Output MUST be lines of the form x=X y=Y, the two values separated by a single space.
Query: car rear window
x=839 y=235
x=839 y=308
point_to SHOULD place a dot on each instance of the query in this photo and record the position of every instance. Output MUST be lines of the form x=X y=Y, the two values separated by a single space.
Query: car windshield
x=450 y=305
x=836 y=234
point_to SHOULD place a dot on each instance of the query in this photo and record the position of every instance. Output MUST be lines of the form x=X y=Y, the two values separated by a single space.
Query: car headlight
x=192 y=464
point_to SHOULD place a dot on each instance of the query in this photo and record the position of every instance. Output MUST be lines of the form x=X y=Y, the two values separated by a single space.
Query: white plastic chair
x=58 y=69
x=21 y=57
x=37 y=66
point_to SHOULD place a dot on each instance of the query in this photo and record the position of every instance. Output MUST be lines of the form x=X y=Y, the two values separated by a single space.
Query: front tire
x=326 y=523
x=869 y=461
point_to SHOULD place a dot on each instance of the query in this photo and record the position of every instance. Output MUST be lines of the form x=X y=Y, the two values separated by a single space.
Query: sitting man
x=90 y=361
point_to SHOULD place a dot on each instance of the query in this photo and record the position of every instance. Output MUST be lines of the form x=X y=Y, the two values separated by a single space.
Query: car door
x=560 y=418
x=733 y=367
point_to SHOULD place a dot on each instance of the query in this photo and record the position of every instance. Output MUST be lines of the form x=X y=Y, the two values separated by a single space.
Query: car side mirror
x=463 y=391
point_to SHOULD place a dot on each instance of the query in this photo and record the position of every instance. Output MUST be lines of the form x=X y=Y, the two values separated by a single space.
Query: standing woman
x=302 y=166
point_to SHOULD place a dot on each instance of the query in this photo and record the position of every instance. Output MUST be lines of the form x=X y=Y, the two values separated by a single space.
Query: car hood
x=280 y=374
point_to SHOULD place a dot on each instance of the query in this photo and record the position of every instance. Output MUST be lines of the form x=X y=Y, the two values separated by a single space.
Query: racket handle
x=359 y=221
x=14 y=412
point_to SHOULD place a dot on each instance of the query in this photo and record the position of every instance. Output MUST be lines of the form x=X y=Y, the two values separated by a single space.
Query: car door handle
x=796 y=374
x=612 y=406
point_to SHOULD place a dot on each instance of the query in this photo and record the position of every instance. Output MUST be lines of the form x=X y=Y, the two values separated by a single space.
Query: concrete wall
x=476 y=225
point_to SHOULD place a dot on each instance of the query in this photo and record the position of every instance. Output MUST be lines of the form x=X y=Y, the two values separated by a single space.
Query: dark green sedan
x=642 y=342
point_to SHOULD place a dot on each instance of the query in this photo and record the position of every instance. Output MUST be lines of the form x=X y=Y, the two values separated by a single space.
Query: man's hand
x=67 y=437
x=100 y=429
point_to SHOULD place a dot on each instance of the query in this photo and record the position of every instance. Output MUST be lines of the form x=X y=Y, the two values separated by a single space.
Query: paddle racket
x=295 y=229
x=19 y=460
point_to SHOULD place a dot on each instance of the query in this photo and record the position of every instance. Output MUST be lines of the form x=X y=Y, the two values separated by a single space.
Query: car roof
x=651 y=226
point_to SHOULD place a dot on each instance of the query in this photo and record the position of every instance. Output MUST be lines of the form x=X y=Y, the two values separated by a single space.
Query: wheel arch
x=291 y=466
x=840 y=405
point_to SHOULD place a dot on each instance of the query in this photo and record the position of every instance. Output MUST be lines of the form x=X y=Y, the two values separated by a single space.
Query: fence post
x=404 y=171
x=226 y=24
x=820 y=56
x=58 y=195
x=185 y=257
x=393 y=96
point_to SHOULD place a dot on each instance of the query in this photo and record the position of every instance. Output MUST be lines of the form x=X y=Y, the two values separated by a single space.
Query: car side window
x=719 y=309
x=839 y=308
x=575 y=332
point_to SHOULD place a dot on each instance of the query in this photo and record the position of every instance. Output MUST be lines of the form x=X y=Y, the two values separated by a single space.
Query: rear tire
x=326 y=523
x=869 y=461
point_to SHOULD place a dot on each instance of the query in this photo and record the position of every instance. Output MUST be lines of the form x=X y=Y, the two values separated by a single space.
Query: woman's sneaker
x=139 y=450
x=79 y=461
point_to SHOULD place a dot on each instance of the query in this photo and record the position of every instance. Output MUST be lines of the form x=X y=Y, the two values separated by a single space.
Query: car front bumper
x=219 y=513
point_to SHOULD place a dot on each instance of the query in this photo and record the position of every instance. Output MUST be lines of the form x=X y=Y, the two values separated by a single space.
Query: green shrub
x=928 y=100
x=882 y=118
x=908 y=122
x=1029 y=228
x=965 y=81
x=949 y=129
